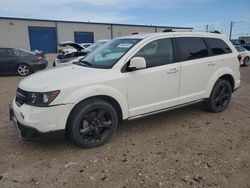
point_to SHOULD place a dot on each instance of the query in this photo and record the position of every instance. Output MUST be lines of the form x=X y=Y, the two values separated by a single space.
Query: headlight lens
x=41 y=99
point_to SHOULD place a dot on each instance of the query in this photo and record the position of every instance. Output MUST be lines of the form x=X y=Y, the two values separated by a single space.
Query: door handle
x=171 y=71
x=211 y=63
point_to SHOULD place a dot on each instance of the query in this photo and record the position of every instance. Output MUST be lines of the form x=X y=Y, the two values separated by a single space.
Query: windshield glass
x=107 y=55
x=96 y=45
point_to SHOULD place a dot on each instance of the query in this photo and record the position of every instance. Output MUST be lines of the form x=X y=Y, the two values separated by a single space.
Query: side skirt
x=165 y=109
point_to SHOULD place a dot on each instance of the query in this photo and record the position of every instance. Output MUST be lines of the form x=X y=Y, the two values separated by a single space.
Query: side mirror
x=137 y=63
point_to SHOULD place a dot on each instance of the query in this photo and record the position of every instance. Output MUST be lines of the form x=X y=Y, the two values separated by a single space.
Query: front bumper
x=34 y=121
x=31 y=133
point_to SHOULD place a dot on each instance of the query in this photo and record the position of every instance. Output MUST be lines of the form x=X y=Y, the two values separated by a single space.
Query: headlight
x=41 y=99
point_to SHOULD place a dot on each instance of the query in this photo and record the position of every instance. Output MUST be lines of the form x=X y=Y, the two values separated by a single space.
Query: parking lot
x=188 y=147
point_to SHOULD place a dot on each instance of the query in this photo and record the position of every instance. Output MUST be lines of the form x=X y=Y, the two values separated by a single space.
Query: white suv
x=128 y=78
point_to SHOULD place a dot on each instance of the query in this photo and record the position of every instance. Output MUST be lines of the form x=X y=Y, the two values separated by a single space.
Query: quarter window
x=218 y=46
x=191 y=48
x=158 y=52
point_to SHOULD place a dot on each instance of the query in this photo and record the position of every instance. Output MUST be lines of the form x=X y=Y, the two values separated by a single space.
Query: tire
x=220 y=96
x=23 y=70
x=246 y=62
x=92 y=123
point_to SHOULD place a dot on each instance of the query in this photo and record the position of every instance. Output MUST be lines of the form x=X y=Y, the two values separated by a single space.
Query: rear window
x=191 y=48
x=218 y=46
x=23 y=53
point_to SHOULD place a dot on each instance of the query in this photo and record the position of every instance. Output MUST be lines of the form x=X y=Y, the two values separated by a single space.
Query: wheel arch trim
x=217 y=75
x=100 y=92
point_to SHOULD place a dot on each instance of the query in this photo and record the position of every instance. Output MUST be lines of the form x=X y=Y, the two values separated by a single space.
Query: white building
x=44 y=35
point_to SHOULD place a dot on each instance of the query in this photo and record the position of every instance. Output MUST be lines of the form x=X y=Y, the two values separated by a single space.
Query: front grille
x=21 y=97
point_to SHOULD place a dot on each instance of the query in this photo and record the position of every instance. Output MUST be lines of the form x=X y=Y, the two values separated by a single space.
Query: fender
x=220 y=72
x=91 y=91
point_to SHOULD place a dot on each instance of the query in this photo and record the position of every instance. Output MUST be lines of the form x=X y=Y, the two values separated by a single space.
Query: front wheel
x=92 y=123
x=220 y=96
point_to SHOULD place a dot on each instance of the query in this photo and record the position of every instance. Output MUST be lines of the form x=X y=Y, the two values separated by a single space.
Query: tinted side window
x=218 y=46
x=23 y=53
x=5 y=53
x=158 y=52
x=2 y=53
x=191 y=48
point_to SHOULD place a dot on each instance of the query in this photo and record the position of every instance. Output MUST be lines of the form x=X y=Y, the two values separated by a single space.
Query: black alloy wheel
x=93 y=122
x=220 y=96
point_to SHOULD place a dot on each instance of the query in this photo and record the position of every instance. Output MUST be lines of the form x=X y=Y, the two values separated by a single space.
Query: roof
x=116 y=24
x=178 y=33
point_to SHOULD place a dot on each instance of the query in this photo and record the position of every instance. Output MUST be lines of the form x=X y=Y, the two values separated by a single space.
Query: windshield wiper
x=85 y=63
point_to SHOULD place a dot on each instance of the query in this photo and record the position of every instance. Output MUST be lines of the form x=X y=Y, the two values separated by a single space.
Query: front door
x=157 y=86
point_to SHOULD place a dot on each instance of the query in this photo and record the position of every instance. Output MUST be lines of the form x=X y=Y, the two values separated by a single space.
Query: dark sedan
x=20 y=61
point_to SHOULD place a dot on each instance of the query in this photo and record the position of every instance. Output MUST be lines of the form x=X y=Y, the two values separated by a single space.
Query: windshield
x=107 y=55
x=96 y=45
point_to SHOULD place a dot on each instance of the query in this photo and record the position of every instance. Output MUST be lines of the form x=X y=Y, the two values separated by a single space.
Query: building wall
x=66 y=30
x=14 y=33
x=119 y=30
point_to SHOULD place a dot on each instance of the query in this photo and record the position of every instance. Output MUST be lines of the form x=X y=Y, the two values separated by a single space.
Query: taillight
x=239 y=57
x=40 y=58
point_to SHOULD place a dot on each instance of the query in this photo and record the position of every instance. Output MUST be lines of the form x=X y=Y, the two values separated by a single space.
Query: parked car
x=86 y=45
x=20 y=61
x=71 y=56
x=238 y=42
x=63 y=47
x=128 y=78
x=244 y=56
x=246 y=46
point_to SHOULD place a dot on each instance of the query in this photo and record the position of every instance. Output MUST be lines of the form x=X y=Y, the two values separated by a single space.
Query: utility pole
x=207 y=28
x=231 y=29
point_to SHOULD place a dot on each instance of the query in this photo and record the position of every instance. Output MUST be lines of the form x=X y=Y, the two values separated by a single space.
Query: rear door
x=8 y=60
x=196 y=68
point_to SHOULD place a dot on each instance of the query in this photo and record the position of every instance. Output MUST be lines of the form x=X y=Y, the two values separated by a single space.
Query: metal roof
x=114 y=24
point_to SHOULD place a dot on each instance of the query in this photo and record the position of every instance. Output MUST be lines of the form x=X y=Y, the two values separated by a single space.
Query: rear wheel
x=220 y=96
x=92 y=123
x=23 y=70
x=246 y=61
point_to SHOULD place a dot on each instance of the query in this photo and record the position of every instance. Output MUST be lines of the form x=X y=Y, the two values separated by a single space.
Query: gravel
x=188 y=147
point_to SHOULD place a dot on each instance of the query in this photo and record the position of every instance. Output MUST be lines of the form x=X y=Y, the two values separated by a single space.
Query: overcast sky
x=192 y=13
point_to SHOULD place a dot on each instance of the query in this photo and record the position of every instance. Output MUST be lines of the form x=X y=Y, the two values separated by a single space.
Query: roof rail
x=215 y=31
x=168 y=30
x=137 y=33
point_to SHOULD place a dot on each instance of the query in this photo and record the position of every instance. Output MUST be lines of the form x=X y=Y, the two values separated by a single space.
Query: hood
x=61 y=77
x=78 y=47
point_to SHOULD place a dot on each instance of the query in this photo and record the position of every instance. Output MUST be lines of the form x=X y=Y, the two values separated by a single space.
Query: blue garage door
x=43 y=38
x=84 y=37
